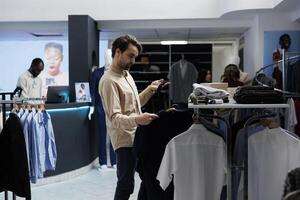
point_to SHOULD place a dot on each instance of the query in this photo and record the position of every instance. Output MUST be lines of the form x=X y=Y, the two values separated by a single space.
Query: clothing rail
x=282 y=61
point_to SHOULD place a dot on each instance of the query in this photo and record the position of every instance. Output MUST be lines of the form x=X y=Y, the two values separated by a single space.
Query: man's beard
x=125 y=66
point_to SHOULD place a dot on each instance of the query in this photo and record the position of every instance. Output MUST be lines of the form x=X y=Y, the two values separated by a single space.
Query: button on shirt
x=122 y=104
x=197 y=160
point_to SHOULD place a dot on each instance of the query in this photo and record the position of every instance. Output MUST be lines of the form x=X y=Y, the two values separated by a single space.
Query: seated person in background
x=204 y=76
x=231 y=76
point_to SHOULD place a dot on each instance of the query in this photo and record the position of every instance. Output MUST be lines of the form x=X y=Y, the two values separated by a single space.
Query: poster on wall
x=82 y=92
x=16 y=57
x=274 y=41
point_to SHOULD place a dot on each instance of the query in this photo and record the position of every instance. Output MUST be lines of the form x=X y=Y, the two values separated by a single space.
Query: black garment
x=277 y=75
x=293 y=77
x=292 y=182
x=14 y=174
x=149 y=145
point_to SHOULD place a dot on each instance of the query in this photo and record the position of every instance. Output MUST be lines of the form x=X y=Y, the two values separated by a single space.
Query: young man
x=53 y=75
x=29 y=81
x=122 y=105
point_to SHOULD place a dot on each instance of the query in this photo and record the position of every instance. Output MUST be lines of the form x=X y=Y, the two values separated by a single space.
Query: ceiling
x=228 y=27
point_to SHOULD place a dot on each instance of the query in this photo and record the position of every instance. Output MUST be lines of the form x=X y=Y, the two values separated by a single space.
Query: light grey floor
x=95 y=185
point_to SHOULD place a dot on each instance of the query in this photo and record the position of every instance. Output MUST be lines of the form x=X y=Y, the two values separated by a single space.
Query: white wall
x=220 y=58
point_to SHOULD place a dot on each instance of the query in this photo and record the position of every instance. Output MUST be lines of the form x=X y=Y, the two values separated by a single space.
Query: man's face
x=286 y=43
x=53 y=58
x=127 y=58
x=37 y=69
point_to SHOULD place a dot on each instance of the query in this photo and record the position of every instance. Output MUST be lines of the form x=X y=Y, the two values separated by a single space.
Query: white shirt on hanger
x=198 y=161
x=272 y=153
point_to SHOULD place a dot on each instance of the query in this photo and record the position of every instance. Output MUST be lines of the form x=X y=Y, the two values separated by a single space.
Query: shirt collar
x=120 y=72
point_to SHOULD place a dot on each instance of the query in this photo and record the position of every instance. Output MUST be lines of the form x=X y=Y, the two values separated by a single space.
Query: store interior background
x=232 y=26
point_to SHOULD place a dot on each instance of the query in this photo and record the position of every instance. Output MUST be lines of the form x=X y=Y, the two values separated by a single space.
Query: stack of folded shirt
x=201 y=93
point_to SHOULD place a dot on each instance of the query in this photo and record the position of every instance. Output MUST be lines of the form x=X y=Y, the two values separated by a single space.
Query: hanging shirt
x=50 y=145
x=182 y=76
x=149 y=145
x=272 y=153
x=1 y=120
x=290 y=116
x=197 y=161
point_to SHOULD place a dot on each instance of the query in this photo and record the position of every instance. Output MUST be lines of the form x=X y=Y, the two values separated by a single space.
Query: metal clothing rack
x=232 y=105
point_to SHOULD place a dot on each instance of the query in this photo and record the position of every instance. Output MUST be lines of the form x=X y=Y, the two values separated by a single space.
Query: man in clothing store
x=122 y=106
x=29 y=81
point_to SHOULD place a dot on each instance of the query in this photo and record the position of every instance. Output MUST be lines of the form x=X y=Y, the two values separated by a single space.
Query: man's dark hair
x=123 y=42
x=281 y=40
x=36 y=62
x=54 y=45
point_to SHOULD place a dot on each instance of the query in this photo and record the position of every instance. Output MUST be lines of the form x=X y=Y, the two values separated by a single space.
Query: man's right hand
x=145 y=118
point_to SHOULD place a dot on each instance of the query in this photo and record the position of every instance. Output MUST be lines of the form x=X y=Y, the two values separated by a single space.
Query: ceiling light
x=168 y=42
x=42 y=34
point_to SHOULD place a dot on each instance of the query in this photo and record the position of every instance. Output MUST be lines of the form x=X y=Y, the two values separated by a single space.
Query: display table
x=75 y=136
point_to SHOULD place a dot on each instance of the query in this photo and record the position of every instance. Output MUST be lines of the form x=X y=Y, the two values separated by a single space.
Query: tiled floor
x=95 y=185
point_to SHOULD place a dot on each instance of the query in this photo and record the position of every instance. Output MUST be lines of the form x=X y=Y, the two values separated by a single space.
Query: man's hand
x=154 y=85
x=145 y=118
x=92 y=109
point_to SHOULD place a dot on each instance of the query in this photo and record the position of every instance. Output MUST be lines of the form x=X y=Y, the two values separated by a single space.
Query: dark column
x=83 y=41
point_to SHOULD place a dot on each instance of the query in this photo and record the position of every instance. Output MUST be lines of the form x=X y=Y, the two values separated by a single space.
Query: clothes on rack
x=40 y=142
x=14 y=170
x=292 y=182
x=290 y=116
x=149 y=146
x=272 y=153
x=1 y=120
x=293 y=77
x=182 y=75
x=197 y=162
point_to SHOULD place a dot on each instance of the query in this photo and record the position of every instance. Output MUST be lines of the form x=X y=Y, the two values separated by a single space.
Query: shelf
x=157 y=63
x=233 y=104
x=195 y=53
x=155 y=53
x=141 y=72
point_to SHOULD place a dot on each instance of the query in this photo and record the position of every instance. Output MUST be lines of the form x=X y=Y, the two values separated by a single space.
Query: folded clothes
x=209 y=92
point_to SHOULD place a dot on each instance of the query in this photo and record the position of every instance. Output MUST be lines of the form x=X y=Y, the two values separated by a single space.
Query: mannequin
x=97 y=106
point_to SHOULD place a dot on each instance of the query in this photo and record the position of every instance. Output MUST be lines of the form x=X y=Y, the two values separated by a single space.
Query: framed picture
x=82 y=91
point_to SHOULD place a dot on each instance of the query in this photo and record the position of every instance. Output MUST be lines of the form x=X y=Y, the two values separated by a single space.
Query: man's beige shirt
x=122 y=104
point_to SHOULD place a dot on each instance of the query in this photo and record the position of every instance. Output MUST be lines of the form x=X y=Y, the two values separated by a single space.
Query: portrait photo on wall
x=82 y=92
x=16 y=57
